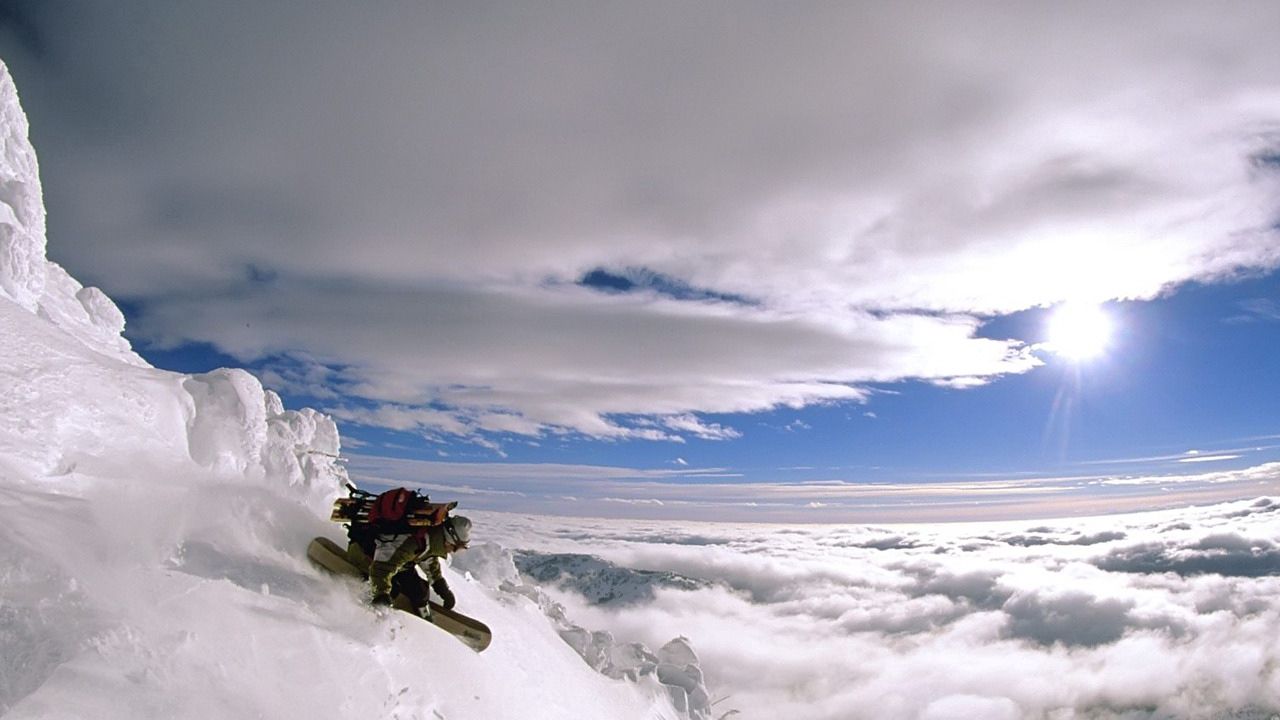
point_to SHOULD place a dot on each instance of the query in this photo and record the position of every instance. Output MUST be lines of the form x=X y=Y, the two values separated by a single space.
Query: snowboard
x=473 y=633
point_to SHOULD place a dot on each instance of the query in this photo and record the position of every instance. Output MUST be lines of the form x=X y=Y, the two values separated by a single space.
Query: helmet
x=458 y=527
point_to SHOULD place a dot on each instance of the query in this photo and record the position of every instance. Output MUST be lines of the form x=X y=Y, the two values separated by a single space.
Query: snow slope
x=151 y=552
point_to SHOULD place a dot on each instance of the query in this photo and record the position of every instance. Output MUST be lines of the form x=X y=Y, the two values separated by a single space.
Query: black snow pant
x=409 y=583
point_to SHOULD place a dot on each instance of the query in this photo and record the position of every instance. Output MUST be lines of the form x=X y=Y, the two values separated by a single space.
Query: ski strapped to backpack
x=393 y=512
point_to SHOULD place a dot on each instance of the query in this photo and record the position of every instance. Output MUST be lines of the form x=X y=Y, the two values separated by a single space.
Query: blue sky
x=667 y=257
x=1186 y=389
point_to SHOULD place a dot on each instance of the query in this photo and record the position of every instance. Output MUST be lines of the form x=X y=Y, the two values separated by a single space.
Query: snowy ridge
x=151 y=558
x=27 y=277
x=22 y=217
x=675 y=666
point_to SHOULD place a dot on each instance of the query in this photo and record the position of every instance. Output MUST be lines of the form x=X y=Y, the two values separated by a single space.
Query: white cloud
x=1257 y=310
x=401 y=418
x=689 y=492
x=695 y=427
x=633 y=501
x=1172 y=614
x=409 y=215
x=557 y=360
x=1207 y=458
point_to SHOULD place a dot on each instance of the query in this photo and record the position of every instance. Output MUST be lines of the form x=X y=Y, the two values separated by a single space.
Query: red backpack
x=395 y=512
x=392 y=507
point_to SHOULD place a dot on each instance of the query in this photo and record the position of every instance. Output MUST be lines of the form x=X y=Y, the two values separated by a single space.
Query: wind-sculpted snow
x=27 y=277
x=22 y=216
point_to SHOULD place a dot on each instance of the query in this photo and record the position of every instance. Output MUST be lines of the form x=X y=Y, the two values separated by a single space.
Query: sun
x=1079 y=331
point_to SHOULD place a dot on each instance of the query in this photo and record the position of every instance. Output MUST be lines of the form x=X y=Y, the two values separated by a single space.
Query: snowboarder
x=391 y=562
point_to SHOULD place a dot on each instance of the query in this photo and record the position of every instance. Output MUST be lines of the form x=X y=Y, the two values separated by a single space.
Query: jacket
x=395 y=553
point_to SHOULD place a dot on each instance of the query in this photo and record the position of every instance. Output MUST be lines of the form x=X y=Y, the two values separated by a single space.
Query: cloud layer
x=684 y=492
x=408 y=195
x=1167 y=615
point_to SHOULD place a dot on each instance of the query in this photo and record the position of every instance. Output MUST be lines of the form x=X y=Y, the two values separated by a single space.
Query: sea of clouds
x=1153 y=615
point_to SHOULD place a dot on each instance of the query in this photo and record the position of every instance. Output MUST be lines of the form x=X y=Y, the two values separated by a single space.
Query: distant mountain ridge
x=598 y=580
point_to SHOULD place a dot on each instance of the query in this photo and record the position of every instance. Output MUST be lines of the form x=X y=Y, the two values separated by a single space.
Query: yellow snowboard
x=475 y=634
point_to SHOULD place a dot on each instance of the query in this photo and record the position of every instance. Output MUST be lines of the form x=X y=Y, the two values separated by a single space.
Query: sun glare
x=1079 y=331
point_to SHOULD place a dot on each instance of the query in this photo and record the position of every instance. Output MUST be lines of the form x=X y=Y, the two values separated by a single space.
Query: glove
x=446 y=595
x=380 y=599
